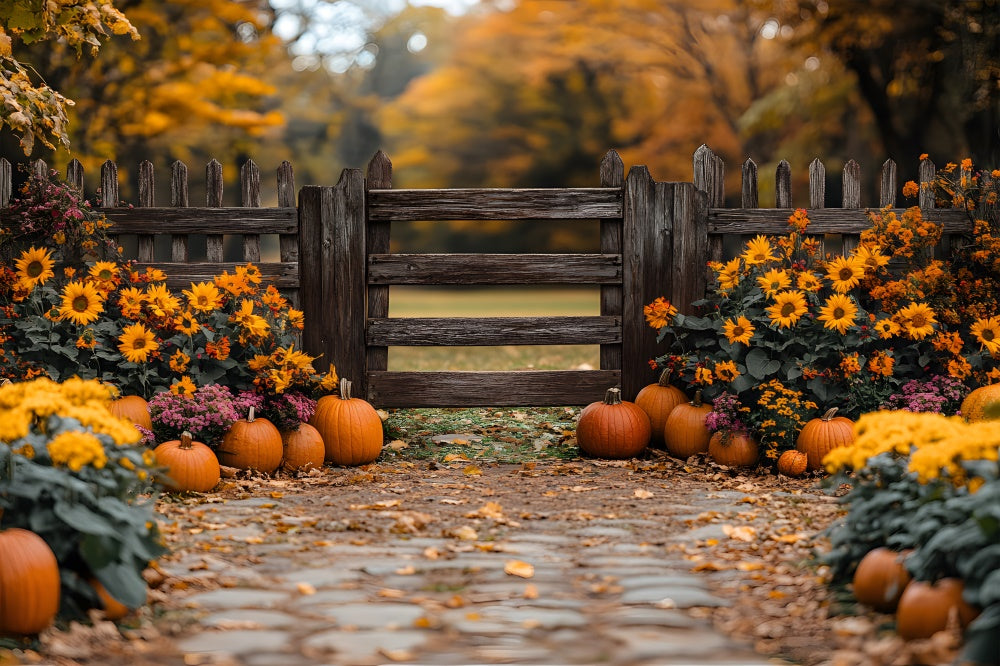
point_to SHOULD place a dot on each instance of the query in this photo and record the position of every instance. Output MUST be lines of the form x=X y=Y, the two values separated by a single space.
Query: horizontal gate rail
x=494 y=204
x=489 y=331
x=442 y=269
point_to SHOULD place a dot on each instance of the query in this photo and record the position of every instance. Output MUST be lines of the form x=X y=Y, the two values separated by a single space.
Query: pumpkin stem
x=186 y=439
x=696 y=400
x=665 y=377
x=250 y=415
x=613 y=396
x=829 y=414
x=345 y=388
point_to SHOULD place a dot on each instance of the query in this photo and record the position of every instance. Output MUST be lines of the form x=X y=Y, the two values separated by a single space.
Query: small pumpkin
x=113 y=609
x=821 y=435
x=613 y=428
x=924 y=608
x=133 y=408
x=29 y=582
x=350 y=427
x=684 y=432
x=974 y=406
x=880 y=579
x=251 y=443
x=793 y=463
x=734 y=449
x=658 y=400
x=191 y=466
x=303 y=448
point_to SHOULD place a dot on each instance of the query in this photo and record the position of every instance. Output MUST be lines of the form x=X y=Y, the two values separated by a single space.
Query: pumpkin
x=132 y=408
x=658 y=400
x=613 y=428
x=793 y=463
x=734 y=449
x=113 y=609
x=924 y=608
x=974 y=406
x=29 y=582
x=880 y=579
x=303 y=448
x=191 y=466
x=351 y=428
x=684 y=432
x=821 y=435
x=251 y=443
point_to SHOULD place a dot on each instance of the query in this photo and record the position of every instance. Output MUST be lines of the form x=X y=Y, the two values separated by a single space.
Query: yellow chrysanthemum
x=81 y=303
x=203 y=297
x=845 y=273
x=987 y=333
x=34 y=267
x=758 y=251
x=788 y=308
x=838 y=313
x=916 y=320
x=774 y=281
x=741 y=330
x=137 y=343
x=75 y=449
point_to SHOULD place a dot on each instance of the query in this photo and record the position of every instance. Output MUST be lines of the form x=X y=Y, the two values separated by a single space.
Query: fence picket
x=612 y=174
x=147 y=190
x=783 y=185
x=887 y=184
x=927 y=172
x=40 y=169
x=378 y=177
x=214 y=243
x=250 y=198
x=74 y=175
x=6 y=182
x=179 y=199
x=750 y=195
x=852 y=199
x=288 y=244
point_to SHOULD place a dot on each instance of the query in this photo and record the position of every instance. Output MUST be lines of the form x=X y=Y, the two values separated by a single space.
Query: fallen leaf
x=451 y=457
x=518 y=568
x=749 y=566
x=472 y=470
x=382 y=414
x=396 y=655
x=642 y=494
x=397 y=445
x=530 y=591
x=408 y=570
x=791 y=538
x=489 y=510
x=465 y=533
x=432 y=553
x=305 y=588
x=277 y=495
x=391 y=593
x=740 y=532
x=708 y=566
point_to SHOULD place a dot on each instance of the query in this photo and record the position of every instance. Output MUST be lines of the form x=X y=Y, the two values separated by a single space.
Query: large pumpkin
x=658 y=400
x=613 y=428
x=821 y=435
x=190 y=465
x=350 y=427
x=880 y=579
x=735 y=449
x=684 y=432
x=251 y=443
x=29 y=582
x=132 y=408
x=924 y=608
x=303 y=448
x=974 y=406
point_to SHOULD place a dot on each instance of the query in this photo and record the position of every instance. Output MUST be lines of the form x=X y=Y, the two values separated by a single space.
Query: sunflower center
x=988 y=334
x=139 y=343
x=845 y=274
x=104 y=275
x=35 y=269
x=838 y=313
x=787 y=309
x=738 y=331
x=760 y=256
x=81 y=304
x=918 y=321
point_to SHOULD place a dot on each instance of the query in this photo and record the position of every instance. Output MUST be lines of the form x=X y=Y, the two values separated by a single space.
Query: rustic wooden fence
x=655 y=240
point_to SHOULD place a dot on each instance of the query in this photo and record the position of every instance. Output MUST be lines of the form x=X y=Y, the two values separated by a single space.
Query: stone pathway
x=305 y=583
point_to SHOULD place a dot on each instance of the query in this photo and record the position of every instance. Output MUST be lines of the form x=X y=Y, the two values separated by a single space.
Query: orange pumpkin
x=880 y=579
x=821 y=435
x=251 y=443
x=132 y=408
x=29 y=582
x=924 y=608
x=793 y=463
x=684 y=432
x=613 y=428
x=658 y=400
x=191 y=466
x=735 y=449
x=113 y=609
x=974 y=406
x=303 y=448
x=350 y=427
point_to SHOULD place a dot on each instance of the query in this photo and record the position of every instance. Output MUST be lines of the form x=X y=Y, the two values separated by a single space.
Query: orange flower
x=218 y=350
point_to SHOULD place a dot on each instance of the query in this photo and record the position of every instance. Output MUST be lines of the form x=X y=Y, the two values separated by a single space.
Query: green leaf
x=123 y=582
x=83 y=519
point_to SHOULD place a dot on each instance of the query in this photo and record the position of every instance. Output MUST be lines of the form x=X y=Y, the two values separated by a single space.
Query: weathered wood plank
x=612 y=174
x=493 y=331
x=852 y=199
x=214 y=243
x=250 y=198
x=750 y=190
x=74 y=174
x=501 y=389
x=344 y=278
x=708 y=168
x=817 y=184
x=887 y=184
x=6 y=182
x=179 y=198
x=378 y=177
x=782 y=185
x=284 y=275
x=824 y=220
x=109 y=185
x=288 y=243
x=203 y=220
x=927 y=172
x=494 y=269
x=315 y=206
x=147 y=191
x=40 y=169
x=495 y=204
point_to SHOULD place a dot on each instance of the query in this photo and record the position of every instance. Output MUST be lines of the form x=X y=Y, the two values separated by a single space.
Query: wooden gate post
x=332 y=275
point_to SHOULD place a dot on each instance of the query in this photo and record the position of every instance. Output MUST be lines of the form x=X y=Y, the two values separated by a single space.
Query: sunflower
x=808 y=282
x=917 y=320
x=161 y=302
x=105 y=271
x=759 y=251
x=871 y=257
x=788 y=308
x=726 y=371
x=137 y=343
x=845 y=273
x=987 y=332
x=81 y=303
x=34 y=267
x=203 y=297
x=774 y=281
x=183 y=386
x=728 y=274
x=740 y=330
x=659 y=313
x=130 y=302
x=186 y=323
x=886 y=328
x=838 y=313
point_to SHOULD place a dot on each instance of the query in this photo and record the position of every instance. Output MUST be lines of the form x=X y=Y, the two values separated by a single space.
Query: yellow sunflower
x=740 y=330
x=34 y=267
x=774 y=281
x=728 y=274
x=788 y=308
x=916 y=320
x=808 y=282
x=183 y=386
x=203 y=297
x=137 y=343
x=845 y=273
x=987 y=332
x=186 y=323
x=104 y=271
x=81 y=303
x=886 y=328
x=758 y=251
x=130 y=301
x=871 y=257
x=160 y=301
x=726 y=371
x=838 y=313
